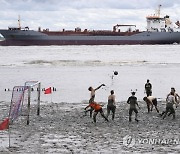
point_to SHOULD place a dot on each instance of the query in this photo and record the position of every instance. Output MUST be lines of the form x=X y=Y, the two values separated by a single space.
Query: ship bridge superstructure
x=156 y=23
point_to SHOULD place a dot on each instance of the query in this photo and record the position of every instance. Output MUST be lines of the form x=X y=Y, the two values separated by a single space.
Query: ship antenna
x=159 y=10
x=19 y=22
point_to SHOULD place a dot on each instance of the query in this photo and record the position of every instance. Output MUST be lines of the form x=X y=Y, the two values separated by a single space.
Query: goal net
x=22 y=97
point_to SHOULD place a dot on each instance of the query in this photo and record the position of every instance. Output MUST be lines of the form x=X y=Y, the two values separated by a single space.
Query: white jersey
x=171 y=99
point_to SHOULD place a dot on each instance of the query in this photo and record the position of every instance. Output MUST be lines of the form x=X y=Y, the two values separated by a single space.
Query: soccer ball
x=115 y=73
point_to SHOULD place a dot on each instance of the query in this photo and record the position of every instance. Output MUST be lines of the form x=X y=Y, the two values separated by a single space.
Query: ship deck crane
x=117 y=26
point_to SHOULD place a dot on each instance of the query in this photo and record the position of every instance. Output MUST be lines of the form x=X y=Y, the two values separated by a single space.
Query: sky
x=86 y=14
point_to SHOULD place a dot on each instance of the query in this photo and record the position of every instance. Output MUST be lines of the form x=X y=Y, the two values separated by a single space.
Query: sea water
x=72 y=69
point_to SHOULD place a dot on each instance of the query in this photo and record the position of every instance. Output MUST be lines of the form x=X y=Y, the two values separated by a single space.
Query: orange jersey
x=95 y=106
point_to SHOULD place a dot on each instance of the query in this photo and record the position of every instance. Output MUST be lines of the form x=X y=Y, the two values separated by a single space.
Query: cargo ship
x=159 y=30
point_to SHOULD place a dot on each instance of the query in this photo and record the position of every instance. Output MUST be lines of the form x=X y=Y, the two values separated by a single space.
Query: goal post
x=31 y=84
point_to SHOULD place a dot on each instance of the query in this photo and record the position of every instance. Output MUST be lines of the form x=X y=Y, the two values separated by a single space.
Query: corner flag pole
x=39 y=94
x=51 y=96
x=9 y=134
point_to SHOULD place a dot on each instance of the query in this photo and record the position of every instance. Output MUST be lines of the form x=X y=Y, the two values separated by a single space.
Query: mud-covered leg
x=102 y=114
x=94 y=116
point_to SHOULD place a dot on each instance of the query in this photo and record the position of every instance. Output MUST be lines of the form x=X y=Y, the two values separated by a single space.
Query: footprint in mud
x=68 y=148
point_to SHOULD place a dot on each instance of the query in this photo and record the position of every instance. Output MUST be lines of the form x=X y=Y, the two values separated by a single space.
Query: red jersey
x=95 y=106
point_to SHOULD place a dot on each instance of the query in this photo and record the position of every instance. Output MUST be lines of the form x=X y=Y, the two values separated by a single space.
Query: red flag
x=48 y=91
x=4 y=124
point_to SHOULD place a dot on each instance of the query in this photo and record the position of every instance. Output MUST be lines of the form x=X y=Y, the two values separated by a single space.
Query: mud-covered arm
x=114 y=102
x=167 y=97
x=128 y=101
x=99 y=87
x=87 y=107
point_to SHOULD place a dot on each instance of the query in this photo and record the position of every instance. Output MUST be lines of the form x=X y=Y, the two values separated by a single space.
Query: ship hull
x=81 y=42
x=27 y=38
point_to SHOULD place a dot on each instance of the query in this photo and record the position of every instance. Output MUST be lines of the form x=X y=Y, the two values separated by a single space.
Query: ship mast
x=19 y=22
x=159 y=11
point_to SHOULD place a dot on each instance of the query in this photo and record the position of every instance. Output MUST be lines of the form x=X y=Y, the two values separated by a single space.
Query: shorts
x=169 y=107
x=149 y=93
x=100 y=110
x=111 y=108
x=131 y=110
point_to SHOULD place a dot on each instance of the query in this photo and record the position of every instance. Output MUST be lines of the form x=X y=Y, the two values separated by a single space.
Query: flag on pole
x=48 y=91
x=4 y=124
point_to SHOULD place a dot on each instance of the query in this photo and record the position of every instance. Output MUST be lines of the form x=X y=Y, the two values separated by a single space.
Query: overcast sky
x=90 y=14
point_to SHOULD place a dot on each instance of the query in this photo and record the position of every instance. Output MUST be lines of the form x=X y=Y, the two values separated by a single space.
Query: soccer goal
x=21 y=100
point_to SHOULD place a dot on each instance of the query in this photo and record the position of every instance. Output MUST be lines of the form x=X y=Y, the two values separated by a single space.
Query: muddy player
x=97 y=109
x=169 y=105
x=176 y=96
x=92 y=97
x=148 y=88
x=132 y=100
x=111 y=104
x=151 y=101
